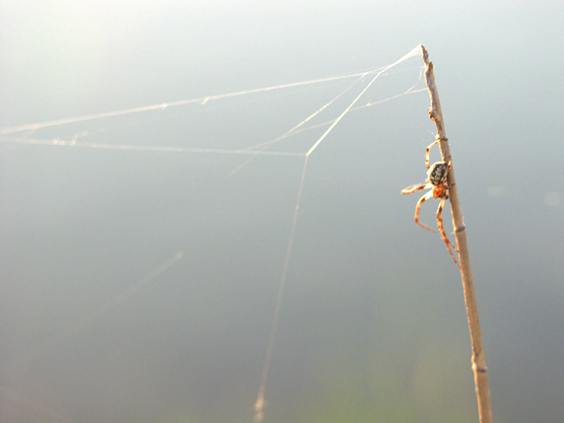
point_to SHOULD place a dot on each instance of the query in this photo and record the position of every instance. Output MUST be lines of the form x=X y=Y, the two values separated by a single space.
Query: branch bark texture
x=478 y=357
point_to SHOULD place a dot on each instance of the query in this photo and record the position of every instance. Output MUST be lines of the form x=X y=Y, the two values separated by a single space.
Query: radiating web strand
x=78 y=325
x=287 y=134
x=412 y=53
x=73 y=143
x=246 y=151
x=260 y=402
x=329 y=122
x=296 y=129
x=201 y=100
x=33 y=127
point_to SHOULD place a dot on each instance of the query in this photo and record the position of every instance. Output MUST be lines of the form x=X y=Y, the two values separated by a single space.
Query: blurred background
x=103 y=321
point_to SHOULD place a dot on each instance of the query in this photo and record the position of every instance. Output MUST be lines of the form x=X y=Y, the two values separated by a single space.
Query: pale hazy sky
x=373 y=306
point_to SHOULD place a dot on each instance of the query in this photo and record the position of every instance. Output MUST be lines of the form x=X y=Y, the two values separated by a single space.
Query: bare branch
x=478 y=357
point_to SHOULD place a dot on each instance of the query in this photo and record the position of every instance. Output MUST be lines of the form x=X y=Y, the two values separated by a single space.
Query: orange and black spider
x=437 y=180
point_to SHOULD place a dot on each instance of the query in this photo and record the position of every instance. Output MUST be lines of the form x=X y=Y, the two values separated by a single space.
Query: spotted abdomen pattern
x=437 y=173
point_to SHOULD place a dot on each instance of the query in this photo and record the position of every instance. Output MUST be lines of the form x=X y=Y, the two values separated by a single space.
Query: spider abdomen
x=437 y=173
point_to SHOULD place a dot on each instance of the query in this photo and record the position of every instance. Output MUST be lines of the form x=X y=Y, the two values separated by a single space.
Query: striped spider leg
x=437 y=177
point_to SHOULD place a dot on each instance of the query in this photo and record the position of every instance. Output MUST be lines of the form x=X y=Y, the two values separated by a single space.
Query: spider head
x=438 y=173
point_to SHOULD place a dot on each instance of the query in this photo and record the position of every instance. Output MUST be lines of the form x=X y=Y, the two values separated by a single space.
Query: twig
x=478 y=358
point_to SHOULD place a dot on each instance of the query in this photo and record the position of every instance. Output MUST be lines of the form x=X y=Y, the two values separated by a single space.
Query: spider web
x=209 y=143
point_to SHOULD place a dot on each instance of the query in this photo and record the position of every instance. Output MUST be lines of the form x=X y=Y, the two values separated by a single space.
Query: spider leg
x=442 y=229
x=427 y=154
x=414 y=188
x=418 y=206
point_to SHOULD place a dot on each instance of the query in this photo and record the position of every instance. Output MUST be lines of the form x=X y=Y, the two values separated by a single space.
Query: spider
x=437 y=177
